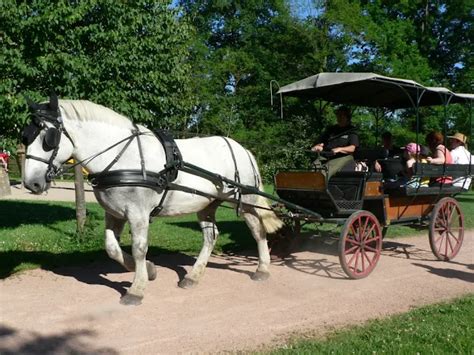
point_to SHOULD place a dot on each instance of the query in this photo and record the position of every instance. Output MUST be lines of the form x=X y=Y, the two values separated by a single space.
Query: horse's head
x=47 y=149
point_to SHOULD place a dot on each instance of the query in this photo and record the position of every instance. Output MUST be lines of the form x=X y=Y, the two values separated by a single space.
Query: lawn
x=42 y=234
x=445 y=328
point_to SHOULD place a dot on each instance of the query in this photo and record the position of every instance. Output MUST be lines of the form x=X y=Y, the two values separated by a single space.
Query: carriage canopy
x=371 y=90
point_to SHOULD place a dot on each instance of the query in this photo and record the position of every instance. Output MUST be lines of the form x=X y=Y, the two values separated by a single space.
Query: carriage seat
x=370 y=154
x=432 y=171
x=391 y=168
x=365 y=158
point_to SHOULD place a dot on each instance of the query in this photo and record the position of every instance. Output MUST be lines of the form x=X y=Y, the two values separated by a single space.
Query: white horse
x=82 y=129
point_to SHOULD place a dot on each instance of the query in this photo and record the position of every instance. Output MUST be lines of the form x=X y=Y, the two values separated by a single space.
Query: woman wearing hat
x=457 y=145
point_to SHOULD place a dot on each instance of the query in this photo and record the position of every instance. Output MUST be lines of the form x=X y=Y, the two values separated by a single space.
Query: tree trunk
x=80 y=198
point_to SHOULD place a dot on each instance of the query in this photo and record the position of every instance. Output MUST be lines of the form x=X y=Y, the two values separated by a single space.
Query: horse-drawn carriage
x=359 y=200
x=138 y=174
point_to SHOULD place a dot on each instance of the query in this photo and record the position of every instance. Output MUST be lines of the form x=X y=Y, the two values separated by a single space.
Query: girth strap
x=116 y=178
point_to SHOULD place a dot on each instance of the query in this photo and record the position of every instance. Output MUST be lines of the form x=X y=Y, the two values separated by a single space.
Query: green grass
x=446 y=328
x=42 y=234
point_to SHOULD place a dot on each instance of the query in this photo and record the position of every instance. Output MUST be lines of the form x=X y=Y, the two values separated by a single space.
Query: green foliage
x=241 y=46
x=131 y=56
x=206 y=67
x=444 y=328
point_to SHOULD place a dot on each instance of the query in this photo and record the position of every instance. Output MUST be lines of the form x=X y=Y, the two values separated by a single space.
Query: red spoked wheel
x=446 y=229
x=360 y=244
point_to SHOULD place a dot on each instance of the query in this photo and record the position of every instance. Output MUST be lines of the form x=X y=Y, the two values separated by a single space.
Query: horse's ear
x=53 y=101
x=31 y=104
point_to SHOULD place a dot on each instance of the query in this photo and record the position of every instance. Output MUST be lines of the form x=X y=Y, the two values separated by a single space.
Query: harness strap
x=255 y=173
x=190 y=190
x=92 y=157
x=119 y=155
x=128 y=178
x=140 y=150
x=237 y=192
x=29 y=156
x=172 y=153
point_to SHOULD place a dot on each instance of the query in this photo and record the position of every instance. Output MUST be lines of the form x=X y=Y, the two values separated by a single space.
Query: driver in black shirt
x=341 y=139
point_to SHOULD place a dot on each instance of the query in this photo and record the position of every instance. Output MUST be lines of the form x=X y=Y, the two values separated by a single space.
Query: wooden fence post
x=20 y=160
x=4 y=183
x=80 y=198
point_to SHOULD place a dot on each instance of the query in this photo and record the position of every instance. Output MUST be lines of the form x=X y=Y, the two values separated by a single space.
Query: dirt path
x=76 y=310
x=59 y=191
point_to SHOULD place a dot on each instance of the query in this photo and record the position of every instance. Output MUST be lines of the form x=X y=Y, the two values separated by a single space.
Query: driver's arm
x=344 y=150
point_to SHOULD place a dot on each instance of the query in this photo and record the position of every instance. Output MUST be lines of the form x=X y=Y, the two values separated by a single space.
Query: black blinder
x=30 y=133
x=51 y=139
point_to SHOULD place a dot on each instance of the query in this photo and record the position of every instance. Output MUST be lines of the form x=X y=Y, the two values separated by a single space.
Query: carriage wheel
x=360 y=244
x=446 y=228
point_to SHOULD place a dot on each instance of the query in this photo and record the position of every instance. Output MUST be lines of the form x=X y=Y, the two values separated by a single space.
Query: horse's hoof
x=260 y=276
x=151 y=270
x=131 y=300
x=187 y=283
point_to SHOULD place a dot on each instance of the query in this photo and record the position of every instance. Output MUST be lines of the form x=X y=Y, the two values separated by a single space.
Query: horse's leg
x=139 y=228
x=207 y=222
x=258 y=232
x=113 y=230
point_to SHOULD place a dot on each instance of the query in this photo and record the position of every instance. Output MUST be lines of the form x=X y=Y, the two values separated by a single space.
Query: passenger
x=457 y=145
x=413 y=155
x=440 y=156
x=340 y=139
x=387 y=144
x=391 y=151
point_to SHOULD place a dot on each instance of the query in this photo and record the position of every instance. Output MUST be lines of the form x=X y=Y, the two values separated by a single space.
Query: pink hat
x=412 y=148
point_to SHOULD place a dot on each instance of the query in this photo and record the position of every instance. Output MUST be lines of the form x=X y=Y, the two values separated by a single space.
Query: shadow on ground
x=467 y=276
x=72 y=342
x=16 y=213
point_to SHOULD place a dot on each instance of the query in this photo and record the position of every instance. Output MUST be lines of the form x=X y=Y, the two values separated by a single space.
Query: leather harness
x=161 y=181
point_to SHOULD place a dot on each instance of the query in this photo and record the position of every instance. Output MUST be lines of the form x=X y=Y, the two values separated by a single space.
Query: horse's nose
x=34 y=186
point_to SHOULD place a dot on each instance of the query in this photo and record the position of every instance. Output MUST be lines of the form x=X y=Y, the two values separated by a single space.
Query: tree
x=426 y=41
x=239 y=48
x=131 y=56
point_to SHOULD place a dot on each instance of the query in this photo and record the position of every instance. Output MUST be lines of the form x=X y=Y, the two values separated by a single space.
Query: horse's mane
x=83 y=110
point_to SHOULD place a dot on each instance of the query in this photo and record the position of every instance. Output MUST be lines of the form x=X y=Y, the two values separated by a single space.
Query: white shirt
x=462 y=156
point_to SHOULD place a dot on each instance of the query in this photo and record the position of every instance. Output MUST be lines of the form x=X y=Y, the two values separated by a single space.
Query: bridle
x=42 y=113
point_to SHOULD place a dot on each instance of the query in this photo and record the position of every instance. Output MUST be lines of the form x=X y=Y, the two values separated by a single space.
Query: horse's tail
x=269 y=219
